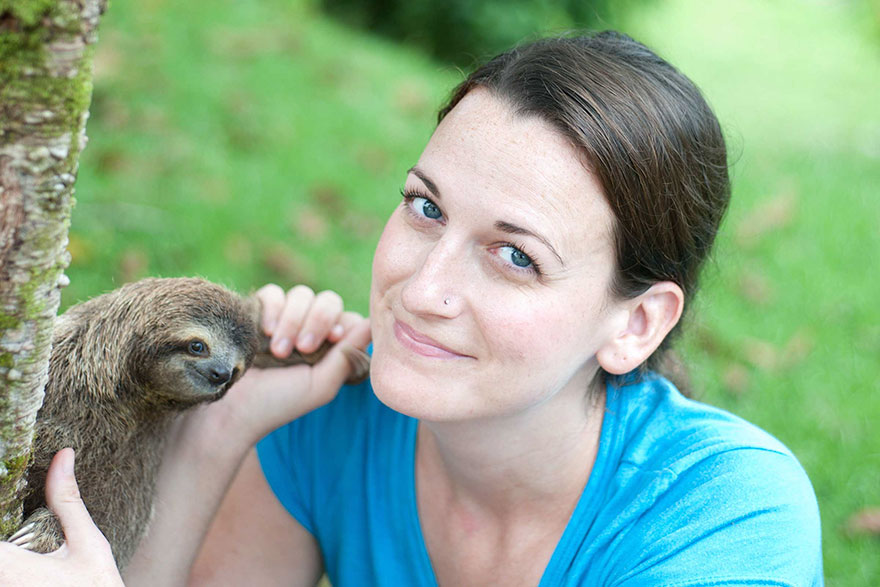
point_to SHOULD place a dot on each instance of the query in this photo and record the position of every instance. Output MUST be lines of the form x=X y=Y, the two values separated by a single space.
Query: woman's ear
x=649 y=317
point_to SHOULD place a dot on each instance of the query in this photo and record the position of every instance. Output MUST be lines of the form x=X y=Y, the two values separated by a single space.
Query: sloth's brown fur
x=121 y=370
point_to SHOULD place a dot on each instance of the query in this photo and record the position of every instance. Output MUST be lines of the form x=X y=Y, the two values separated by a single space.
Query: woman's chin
x=412 y=392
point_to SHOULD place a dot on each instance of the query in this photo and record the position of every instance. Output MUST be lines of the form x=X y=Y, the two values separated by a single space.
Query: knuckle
x=330 y=297
x=270 y=291
x=301 y=291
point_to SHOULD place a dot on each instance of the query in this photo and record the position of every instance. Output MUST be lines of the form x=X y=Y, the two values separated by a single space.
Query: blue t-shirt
x=680 y=494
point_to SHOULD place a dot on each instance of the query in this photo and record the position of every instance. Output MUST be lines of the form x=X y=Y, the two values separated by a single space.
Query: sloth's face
x=200 y=366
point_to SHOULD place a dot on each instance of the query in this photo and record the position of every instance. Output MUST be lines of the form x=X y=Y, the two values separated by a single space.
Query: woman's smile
x=422 y=344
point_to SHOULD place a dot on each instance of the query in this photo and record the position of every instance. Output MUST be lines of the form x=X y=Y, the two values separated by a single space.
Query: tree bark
x=46 y=49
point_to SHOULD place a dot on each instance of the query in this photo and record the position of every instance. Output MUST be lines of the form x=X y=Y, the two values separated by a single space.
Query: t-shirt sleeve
x=275 y=453
x=764 y=528
x=301 y=460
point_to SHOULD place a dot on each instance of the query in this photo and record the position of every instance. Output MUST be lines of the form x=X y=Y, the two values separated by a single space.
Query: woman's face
x=491 y=281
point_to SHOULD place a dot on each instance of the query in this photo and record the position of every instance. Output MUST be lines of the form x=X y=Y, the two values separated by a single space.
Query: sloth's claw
x=23 y=535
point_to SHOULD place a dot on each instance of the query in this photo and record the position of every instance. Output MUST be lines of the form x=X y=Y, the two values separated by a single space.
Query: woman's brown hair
x=647 y=133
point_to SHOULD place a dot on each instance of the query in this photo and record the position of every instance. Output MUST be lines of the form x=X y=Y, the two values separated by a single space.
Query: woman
x=547 y=242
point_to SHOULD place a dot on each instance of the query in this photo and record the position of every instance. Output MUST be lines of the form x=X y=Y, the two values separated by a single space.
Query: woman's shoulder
x=660 y=428
x=693 y=486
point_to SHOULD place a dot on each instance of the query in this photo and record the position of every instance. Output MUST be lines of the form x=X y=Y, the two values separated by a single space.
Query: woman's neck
x=524 y=464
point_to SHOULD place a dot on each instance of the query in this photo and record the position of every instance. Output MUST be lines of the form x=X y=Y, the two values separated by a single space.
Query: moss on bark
x=46 y=48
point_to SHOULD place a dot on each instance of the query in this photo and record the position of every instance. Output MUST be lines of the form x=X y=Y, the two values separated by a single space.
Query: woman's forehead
x=517 y=165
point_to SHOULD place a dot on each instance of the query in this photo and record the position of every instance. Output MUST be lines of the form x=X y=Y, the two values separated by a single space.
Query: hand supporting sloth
x=313 y=326
x=85 y=559
x=262 y=400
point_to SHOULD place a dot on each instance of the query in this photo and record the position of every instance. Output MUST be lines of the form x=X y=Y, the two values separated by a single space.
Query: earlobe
x=648 y=319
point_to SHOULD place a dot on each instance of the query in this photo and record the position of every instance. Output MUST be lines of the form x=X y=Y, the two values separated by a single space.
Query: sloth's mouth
x=212 y=378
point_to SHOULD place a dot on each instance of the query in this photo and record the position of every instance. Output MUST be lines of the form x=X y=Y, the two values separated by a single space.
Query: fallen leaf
x=374 y=159
x=411 y=96
x=238 y=43
x=80 y=249
x=735 y=379
x=798 y=348
x=363 y=226
x=214 y=189
x=113 y=162
x=329 y=199
x=238 y=250
x=309 y=224
x=755 y=287
x=770 y=216
x=761 y=354
x=712 y=344
x=108 y=57
x=132 y=265
x=290 y=267
x=865 y=521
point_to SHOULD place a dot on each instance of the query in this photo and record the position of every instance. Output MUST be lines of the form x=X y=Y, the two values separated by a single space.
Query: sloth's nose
x=219 y=375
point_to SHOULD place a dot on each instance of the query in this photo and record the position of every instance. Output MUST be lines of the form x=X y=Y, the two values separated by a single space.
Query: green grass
x=787 y=332
x=250 y=142
x=245 y=142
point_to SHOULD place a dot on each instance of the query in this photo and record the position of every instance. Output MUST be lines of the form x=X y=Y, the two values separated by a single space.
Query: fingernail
x=281 y=346
x=337 y=330
x=306 y=341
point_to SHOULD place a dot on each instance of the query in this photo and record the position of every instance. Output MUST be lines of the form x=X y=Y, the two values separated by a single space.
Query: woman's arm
x=203 y=456
x=208 y=447
x=254 y=540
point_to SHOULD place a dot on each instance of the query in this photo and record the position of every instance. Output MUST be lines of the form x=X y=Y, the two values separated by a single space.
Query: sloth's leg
x=41 y=532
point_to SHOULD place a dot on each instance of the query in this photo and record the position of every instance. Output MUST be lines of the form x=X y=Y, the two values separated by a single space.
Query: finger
x=271 y=298
x=63 y=498
x=346 y=322
x=332 y=371
x=322 y=316
x=296 y=306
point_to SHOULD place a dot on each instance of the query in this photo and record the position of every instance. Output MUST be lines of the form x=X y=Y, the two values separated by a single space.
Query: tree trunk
x=46 y=49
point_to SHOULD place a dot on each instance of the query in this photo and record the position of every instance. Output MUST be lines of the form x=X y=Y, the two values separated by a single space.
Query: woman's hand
x=84 y=559
x=298 y=319
x=208 y=444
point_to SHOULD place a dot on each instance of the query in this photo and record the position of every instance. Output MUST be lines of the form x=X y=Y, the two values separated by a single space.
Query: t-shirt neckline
x=582 y=517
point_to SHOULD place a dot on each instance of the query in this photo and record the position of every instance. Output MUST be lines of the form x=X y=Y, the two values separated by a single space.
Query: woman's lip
x=421 y=344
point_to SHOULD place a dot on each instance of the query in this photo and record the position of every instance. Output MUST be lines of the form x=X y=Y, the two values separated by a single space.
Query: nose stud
x=446 y=302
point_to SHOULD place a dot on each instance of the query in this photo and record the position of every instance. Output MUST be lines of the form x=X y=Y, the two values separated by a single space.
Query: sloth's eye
x=197 y=347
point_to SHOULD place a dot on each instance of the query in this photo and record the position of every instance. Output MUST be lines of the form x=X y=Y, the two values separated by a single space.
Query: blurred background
x=267 y=140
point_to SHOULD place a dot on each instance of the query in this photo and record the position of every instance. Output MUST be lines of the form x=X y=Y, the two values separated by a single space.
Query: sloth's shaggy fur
x=123 y=365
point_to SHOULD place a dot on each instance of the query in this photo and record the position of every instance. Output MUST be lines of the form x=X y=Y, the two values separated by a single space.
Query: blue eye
x=427 y=207
x=515 y=257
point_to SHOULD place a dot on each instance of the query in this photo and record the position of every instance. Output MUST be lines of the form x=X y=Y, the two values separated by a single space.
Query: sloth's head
x=190 y=339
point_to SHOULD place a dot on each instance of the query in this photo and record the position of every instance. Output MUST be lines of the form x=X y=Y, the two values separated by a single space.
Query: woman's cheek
x=522 y=332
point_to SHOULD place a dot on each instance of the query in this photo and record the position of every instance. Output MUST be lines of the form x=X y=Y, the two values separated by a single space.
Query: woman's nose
x=437 y=284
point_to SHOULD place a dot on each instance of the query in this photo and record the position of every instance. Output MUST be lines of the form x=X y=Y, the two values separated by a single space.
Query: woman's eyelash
x=535 y=267
x=410 y=194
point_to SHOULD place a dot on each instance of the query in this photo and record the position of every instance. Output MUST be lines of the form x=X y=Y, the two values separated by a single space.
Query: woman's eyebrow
x=514 y=229
x=432 y=187
x=499 y=224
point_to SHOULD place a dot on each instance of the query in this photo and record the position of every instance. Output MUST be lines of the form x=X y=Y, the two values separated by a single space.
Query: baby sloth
x=123 y=366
